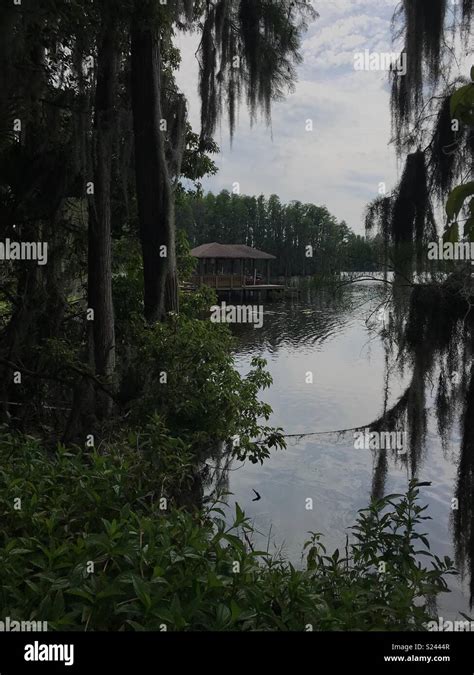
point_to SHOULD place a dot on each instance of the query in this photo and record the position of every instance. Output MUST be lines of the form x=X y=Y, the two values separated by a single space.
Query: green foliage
x=186 y=263
x=457 y=198
x=128 y=276
x=381 y=579
x=462 y=104
x=183 y=370
x=155 y=568
x=186 y=373
x=197 y=162
x=462 y=108
x=127 y=281
x=452 y=233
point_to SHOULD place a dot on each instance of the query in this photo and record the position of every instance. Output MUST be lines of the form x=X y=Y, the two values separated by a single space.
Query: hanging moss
x=443 y=151
x=249 y=48
x=412 y=221
x=378 y=217
x=444 y=407
x=402 y=102
x=207 y=81
x=467 y=13
x=424 y=30
x=412 y=188
x=438 y=322
x=432 y=19
x=436 y=341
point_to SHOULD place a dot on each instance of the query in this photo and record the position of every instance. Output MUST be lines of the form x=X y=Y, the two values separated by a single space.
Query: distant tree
x=284 y=230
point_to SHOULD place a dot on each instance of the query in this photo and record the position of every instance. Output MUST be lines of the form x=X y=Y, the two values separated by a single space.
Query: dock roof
x=230 y=251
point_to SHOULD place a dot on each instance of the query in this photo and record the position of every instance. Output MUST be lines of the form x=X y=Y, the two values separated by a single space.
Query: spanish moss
x=248 y=48
x=412 y=220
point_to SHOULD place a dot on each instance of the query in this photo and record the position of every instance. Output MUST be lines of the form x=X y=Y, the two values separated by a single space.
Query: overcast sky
x=341 y=163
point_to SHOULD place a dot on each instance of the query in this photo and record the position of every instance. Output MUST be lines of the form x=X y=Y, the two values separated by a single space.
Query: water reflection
x=400 y=368
x=436 y=343
x=305 y=323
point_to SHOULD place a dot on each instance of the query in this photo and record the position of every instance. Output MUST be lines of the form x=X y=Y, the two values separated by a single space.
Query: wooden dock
x=231 y=282
x=235 y=285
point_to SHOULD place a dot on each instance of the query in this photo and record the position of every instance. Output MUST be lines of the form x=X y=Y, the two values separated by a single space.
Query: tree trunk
x=102 y=328
x=154 y=190
x=20 y=337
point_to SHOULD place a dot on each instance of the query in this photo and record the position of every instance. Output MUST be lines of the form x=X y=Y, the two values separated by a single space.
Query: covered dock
x=233 y=267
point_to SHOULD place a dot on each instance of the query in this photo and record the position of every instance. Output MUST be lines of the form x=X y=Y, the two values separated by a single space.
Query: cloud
x=335 y=44
x=342 y=161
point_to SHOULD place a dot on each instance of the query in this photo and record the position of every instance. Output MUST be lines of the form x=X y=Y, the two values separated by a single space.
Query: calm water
x=333 y=336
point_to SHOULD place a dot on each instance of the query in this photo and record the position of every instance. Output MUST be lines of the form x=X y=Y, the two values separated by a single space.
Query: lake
x=334 y=337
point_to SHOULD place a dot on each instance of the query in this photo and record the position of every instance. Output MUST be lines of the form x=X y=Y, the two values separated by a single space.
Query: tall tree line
x=306 y=239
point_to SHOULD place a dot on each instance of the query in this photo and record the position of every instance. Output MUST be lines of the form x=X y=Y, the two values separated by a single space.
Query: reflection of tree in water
x=436 y=342
x=427 y=331
x=316 y=317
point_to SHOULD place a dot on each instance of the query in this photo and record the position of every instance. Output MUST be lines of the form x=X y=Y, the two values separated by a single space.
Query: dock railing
x=227 y=281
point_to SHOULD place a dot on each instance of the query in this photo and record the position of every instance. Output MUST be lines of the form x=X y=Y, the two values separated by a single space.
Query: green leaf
x=164 y=615
x=223 y=614
x=457 y=198
x=452 y=234
x=456 y=98
x=247 y=614
x=462 y=104
x=142 y=591
x=213 y=580
x=469 y=228
x=239 y=515
x=235 y=610
x=81 y=594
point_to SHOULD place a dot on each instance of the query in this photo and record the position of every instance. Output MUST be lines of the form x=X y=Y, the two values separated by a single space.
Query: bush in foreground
x=175 y=570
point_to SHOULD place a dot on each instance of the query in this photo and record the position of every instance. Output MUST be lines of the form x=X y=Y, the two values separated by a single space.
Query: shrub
x=188 y=570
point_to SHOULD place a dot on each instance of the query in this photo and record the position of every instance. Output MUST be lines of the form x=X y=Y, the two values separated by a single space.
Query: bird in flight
x=257 y=497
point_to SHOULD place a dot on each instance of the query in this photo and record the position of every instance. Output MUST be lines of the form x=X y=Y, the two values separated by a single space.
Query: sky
x=342 y=161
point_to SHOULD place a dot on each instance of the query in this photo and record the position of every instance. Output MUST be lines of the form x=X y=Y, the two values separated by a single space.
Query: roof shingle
x=230 y=251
